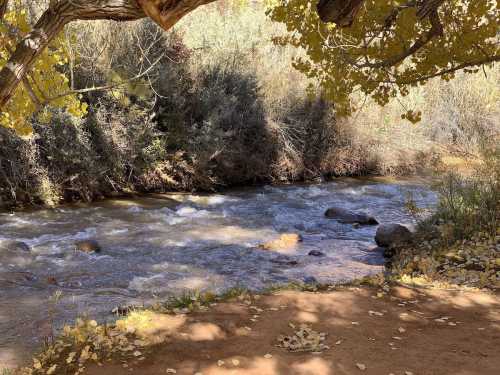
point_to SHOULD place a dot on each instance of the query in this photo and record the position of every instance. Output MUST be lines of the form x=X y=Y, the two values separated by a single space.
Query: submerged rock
x=310 y=280
x=392 y=234
x=88 y=246
x=14 y=246
x=316 y=253
x=285 y=261
x=285 y=242
x=350 y=217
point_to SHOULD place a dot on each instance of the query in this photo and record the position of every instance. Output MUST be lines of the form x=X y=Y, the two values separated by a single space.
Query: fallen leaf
x=361 y=366
x=268 y=356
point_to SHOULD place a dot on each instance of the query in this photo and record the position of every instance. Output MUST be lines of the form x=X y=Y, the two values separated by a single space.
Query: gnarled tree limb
x=164 y=12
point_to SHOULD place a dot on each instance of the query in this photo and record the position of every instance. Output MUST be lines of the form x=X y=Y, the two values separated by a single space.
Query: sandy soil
x=396 y=333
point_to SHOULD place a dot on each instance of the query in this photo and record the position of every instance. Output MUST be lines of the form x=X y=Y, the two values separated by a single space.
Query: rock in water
x=310 y=280
x=88 y=246
x=350 y=217
x=392 y=234
x=15 y=246
x=285 y=242
x=316 y=253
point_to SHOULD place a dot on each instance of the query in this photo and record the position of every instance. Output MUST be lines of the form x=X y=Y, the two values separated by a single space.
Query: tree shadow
x=406 y=338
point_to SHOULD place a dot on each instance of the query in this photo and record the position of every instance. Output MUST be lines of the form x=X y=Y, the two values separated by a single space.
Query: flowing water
x=165 y=245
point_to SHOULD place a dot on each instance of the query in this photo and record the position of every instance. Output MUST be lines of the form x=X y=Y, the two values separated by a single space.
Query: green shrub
x=471 y=204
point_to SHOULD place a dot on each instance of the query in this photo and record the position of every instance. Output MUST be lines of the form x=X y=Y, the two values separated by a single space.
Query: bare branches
x=104 y=87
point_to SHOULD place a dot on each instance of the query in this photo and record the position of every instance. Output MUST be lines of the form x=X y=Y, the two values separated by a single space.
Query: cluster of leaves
x=377 y=55
x=46 y=84
x=84 y=343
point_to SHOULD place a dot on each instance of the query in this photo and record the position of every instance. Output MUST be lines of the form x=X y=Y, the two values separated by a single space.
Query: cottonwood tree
x=384 y=47
x=380 y=47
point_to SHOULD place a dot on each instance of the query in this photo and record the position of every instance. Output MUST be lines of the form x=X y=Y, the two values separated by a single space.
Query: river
x=163 y=245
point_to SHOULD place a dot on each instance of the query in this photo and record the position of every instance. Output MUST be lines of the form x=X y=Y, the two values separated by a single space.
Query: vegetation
x=459 y=243
x=389 y=47
x=378 y=54
x=173 y=128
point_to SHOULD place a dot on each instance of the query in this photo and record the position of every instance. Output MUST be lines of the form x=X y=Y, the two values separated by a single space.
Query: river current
x=163 y=245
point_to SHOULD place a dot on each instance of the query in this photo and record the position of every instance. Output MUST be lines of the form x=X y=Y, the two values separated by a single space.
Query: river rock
x=392 y=234
x=310 y=280
x=286 y=241
x=14 y=246
x=350 y=217
x=316 y=253
x=88 y=246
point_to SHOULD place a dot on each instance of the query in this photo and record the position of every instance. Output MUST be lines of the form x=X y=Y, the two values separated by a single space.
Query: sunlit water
x=157 y=247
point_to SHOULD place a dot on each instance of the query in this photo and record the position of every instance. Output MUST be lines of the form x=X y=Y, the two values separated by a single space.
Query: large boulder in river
x=88 y=246
x=350 y=217
x=14 y=246
x=392 y=234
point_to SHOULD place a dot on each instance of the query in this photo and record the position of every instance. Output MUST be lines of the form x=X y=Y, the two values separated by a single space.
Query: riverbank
x=366 y=329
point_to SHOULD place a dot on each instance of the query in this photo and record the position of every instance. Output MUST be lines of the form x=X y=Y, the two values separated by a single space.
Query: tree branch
x=486 y=60
x=104 y=87
x=435 y=30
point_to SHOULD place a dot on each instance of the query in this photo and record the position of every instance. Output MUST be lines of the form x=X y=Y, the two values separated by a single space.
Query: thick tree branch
x=164 y=12
x=343 y=12
x=167 y=13
x=48 y=27
x=442 y=72
x=435 y=31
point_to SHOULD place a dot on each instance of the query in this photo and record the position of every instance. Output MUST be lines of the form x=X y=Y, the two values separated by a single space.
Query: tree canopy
x=388 y=46
x=380 y=48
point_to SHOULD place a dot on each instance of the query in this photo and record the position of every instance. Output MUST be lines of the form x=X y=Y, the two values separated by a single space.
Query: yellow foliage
x=46 y=79
x=358 y=59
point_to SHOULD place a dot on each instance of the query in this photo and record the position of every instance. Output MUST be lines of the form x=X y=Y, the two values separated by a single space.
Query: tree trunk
x=164 y=12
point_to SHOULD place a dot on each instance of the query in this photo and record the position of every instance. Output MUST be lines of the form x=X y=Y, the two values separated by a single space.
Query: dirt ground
x=403 y=332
